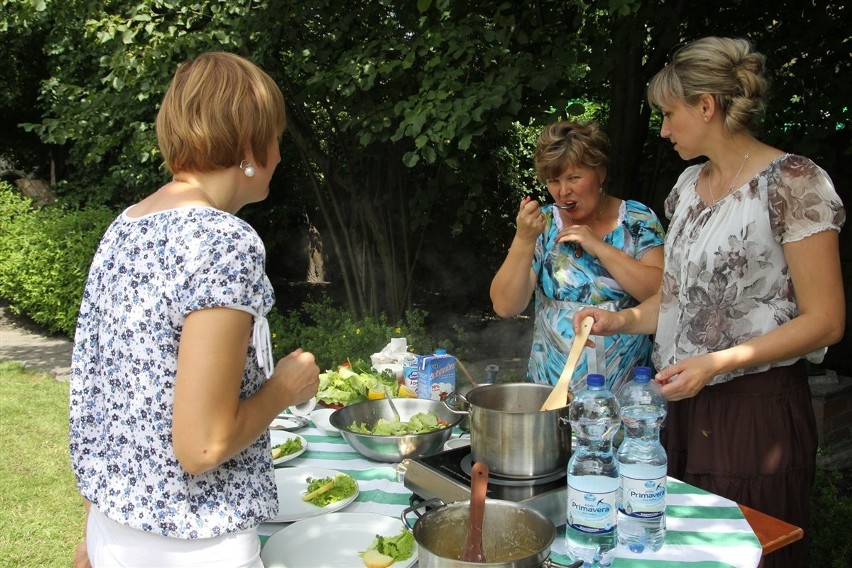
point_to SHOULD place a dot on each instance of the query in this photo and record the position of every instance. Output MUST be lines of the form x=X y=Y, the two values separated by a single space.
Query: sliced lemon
x=406 y=392
x=375 y=394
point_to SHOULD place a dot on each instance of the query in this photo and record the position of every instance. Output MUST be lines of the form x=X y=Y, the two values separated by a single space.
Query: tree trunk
x=628 y=125
x=316 y=262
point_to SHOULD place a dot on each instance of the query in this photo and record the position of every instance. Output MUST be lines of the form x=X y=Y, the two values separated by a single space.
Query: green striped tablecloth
x=703 y=529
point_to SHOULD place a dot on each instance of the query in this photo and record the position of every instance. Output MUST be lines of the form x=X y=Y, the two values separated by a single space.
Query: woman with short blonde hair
x=173 y=385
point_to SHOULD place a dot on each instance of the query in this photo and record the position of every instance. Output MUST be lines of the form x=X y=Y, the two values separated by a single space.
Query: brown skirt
x=753 y=440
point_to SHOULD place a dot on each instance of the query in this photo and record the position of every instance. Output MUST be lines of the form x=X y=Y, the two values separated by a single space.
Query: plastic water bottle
x=642 y=463
x=593 y=483
x=490 y=374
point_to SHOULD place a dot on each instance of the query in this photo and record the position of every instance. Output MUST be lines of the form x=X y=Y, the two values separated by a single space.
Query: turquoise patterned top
x=567 y=283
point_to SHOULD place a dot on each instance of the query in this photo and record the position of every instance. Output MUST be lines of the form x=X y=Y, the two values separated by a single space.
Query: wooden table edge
x=771 y=532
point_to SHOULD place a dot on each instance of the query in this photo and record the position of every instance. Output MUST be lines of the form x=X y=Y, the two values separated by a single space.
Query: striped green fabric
x=703 y=529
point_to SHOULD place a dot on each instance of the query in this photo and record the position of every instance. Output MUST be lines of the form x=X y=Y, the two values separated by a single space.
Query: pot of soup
x=513 y=535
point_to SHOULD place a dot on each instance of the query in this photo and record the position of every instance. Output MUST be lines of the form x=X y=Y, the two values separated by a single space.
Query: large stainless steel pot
x=510 y=433
x=513 y=536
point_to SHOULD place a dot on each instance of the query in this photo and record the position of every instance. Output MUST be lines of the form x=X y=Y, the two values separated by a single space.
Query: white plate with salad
x=296 y=483
x=286 y=446
x=334 y=540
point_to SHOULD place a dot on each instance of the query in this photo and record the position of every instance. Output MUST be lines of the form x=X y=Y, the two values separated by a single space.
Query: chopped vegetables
x=420 y=423
x=290 y=446
x=350 y=384
x=326 y=490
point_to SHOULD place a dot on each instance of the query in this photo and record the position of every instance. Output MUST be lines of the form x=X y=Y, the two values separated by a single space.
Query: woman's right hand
x=299 y=374
x=530 y=220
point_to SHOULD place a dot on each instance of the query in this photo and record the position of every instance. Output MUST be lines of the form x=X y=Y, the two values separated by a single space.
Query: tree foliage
x=410 y=124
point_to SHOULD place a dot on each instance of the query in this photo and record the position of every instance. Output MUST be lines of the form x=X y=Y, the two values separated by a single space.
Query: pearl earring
x=247 y=168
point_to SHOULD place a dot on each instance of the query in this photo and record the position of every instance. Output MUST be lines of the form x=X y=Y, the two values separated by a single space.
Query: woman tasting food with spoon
x=589 y=248
x=752 y=286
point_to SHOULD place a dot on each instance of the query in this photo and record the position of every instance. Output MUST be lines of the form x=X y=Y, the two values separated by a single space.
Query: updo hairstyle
x=217 y=107
x=563 y=144
x=728 y=69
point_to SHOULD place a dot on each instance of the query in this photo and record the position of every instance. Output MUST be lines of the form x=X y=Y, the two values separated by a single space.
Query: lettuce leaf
x=398 y=547
x=344 y=487
x=419 y=423
x=347 y=385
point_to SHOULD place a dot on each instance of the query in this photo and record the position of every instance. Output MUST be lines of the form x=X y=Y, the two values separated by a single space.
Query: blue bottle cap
x=595 y=381
x=642 y=374
x=440 y=351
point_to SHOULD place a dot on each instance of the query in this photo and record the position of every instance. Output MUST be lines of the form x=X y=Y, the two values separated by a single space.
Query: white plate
x=321 y=419
x=330 y=541
x=454 y=443
x=288 y=422
x=292 y=483
x=278 y=437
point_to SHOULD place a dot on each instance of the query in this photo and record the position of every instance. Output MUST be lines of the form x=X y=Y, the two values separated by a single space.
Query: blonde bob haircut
x=729 y=70
x=217 y=108
x=563 y=144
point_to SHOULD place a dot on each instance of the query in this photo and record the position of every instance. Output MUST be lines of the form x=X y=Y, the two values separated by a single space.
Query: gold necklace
x=714 y=201
x=198 y=187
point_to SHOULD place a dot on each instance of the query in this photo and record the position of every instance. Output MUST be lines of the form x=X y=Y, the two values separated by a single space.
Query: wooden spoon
x=478 y=486
x=561 y=395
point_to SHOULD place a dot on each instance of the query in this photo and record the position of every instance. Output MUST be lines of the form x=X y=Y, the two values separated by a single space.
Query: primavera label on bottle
x=643 y=498
x=591 y=512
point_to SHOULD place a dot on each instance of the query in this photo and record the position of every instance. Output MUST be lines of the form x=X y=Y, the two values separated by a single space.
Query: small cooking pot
x=510 y=432
x=513 y=535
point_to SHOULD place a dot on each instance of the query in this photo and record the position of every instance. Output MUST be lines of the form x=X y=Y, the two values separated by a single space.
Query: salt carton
x=436 y=375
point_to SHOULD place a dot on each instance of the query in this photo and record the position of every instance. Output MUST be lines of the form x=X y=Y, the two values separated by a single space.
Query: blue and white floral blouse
x=565 y=284
x=147 y=275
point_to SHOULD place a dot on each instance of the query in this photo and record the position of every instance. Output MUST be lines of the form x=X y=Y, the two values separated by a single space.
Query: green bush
x=830 y=505
x=44 y=257
x=334 y=337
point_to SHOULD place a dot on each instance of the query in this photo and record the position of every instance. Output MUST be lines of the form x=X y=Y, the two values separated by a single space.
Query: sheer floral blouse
x=726 y=279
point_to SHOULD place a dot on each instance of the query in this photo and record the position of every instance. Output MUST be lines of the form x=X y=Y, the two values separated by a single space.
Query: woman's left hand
x=686 y=378
x=582 y=236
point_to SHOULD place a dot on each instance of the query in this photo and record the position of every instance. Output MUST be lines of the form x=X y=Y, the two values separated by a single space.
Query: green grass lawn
x=41 y=512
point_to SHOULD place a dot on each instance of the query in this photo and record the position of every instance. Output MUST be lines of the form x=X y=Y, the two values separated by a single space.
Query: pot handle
x=550 y=563
x=451 y=397
x=434 y=502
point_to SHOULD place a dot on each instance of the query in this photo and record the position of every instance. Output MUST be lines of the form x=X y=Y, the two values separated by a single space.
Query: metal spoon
x=389 y=398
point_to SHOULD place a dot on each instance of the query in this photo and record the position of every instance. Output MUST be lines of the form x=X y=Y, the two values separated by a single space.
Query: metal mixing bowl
x=394 y=448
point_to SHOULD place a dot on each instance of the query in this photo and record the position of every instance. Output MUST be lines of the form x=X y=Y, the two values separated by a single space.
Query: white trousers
x=113 y=545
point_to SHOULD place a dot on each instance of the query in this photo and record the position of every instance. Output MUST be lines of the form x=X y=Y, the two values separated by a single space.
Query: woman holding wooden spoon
x=587 y=249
